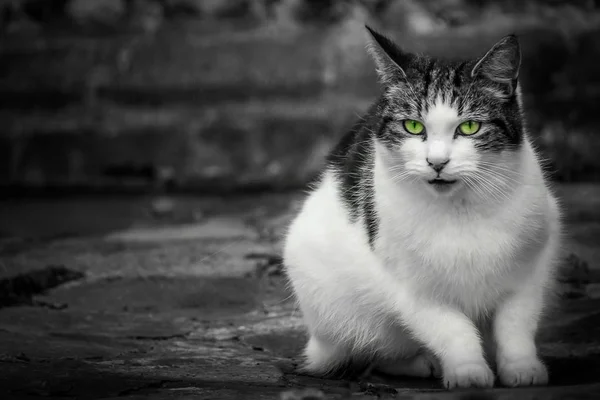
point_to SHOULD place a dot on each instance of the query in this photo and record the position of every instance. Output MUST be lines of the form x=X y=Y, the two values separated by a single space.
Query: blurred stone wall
x=221 y=94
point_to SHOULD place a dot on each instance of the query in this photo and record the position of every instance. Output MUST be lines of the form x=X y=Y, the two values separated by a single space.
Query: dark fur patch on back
x=351 y=161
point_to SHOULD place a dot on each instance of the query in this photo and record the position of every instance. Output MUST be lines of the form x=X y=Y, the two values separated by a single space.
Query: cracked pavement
x=181 y=297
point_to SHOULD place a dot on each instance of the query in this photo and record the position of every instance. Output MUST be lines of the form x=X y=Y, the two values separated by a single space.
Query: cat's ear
x=390 y=60
x=501 y=64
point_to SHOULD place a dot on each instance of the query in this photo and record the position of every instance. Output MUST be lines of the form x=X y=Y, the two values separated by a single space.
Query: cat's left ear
x=501 y=64
x=391 y=61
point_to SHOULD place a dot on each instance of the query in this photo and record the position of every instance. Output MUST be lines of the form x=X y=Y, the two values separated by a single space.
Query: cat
x=429 y=244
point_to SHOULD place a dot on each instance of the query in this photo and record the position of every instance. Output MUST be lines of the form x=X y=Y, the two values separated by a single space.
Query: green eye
x=413 y=127
x=469 y=127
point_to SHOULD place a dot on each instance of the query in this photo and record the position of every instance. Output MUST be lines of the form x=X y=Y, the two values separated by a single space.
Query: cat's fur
x=391 y=270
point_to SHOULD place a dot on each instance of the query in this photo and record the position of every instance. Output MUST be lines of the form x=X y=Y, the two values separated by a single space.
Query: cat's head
x=450 y=124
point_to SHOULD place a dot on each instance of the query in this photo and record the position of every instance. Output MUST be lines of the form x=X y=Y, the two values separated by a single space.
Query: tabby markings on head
x=432 y=113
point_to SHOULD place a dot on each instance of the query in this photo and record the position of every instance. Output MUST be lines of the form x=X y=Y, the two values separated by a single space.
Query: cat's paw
x=523 y=372
x=473 y=374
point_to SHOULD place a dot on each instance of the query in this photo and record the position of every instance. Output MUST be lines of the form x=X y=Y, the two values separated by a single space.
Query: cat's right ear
x=390 y=60
x=501 y=65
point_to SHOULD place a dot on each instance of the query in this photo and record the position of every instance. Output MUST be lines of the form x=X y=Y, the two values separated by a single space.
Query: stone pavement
x=148 y=297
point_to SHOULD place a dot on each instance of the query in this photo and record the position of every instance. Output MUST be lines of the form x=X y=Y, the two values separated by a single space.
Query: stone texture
x=149 y=313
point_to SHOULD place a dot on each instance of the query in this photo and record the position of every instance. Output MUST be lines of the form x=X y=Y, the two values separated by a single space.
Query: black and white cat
x=431 y=226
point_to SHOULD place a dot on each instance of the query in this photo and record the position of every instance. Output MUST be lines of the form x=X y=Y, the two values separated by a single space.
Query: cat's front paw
x=522 y=372
x=473 y=374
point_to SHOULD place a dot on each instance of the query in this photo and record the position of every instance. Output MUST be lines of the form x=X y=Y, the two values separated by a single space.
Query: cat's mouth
x=442 y=185
x=441 y=182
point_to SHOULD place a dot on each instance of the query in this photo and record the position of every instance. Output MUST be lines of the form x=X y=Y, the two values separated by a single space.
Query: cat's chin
x=443 y=186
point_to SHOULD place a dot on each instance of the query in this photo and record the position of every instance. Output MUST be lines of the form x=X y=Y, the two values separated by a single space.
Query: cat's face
x=451 y=124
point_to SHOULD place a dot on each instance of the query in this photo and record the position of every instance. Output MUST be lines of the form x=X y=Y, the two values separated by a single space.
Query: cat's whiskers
x=499 y=176
x=483 y=184
x=499 y=171
x=473 y=186
x=396 y=168
x=400 y=177
x=499 y=167
x=492 y=166
x=492 y=188
x=502 y=179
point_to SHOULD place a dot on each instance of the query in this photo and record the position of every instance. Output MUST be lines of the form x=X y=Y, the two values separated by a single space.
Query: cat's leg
x=449 y=334
x=516 y=324
x=346 y=293
x=445 y=331
x=517 y=320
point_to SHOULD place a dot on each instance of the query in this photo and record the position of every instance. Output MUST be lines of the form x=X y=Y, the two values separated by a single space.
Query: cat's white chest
x=468 y=262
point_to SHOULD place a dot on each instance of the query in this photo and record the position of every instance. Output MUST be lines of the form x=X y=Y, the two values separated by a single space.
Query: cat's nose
x=437 y=164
